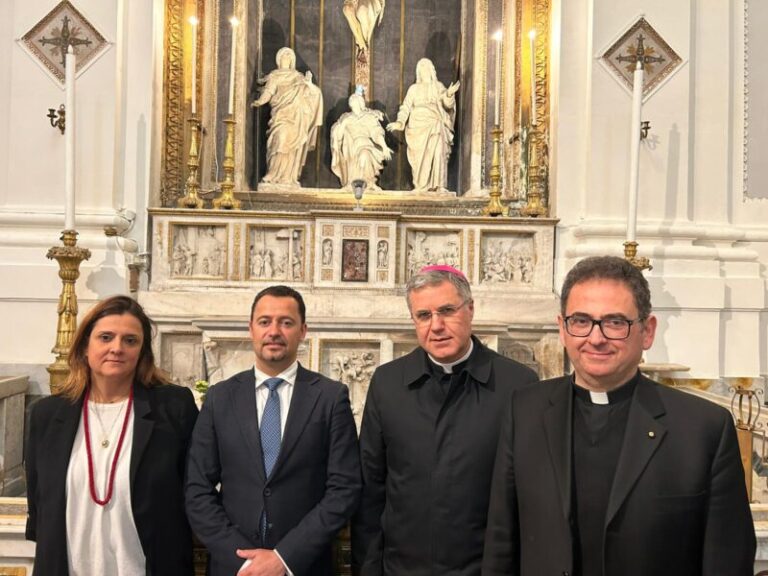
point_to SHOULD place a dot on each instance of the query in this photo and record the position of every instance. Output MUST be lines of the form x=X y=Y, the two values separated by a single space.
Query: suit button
x=267 y=492
x=269 y=526
x=566 y=573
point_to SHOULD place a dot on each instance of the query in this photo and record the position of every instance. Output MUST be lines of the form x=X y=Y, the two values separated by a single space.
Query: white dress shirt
x=284 y=391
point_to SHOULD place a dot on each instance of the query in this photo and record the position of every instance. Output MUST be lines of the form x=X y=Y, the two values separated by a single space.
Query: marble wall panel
x=351 y=362
x=507 y=258
x=277 y=253
x=198 y=251
x=225 y=356
x=432 y=246
x=181 y=355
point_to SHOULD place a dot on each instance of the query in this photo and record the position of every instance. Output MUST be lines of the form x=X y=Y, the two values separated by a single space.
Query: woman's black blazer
x=164 y=416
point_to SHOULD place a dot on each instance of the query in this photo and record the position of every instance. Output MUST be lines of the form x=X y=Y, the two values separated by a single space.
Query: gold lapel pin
x=651 y=434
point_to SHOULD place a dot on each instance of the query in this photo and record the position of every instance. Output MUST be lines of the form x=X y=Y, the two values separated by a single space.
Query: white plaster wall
x=115 y=97
x=707 y=243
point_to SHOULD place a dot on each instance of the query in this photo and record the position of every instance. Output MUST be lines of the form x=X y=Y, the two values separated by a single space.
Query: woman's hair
x=80 y=373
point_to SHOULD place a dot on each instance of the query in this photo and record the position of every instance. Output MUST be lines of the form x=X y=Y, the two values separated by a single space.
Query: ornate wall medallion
x=660 y=59
x=64 y=26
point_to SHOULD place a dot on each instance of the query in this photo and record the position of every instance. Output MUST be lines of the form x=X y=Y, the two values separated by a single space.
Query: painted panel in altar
x=356 y=252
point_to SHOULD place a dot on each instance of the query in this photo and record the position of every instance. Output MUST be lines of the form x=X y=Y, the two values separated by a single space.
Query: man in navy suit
x=274 y=470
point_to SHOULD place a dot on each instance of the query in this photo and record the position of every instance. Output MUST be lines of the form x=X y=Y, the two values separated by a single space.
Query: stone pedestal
x=16 y=552
x=12 y=390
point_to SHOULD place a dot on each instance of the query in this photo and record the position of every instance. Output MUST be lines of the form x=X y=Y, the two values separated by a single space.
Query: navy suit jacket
x=311 y=493
x=163 y=420
x=678 y=505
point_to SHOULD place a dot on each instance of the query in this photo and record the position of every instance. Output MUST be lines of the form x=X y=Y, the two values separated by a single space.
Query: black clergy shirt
x=598 y=434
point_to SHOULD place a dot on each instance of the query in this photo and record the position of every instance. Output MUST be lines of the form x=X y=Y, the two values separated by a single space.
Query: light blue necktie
x=270 y=435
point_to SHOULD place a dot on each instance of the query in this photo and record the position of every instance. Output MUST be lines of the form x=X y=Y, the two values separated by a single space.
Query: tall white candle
x=234 y=22
x=69 y=140
x=634 y=168
x=532 y=42
x=193 y=21
x=498 y=37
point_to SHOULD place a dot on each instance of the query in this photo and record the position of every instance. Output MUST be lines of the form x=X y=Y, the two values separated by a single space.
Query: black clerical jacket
x=677 y=507
x=427 y=467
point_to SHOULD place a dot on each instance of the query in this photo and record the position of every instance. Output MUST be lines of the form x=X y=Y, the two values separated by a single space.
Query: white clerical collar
x=448 y=368
x=289 y=374
x=618 y=394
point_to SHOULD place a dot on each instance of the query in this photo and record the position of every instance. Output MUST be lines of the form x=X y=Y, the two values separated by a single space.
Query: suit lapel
x=60 y=438
x=557 y=425
x=143 y=423
x=643 y=435
x=303 y=400
x=243 y=403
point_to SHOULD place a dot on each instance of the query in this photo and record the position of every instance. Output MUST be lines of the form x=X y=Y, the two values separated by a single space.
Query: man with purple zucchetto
x=428 y=439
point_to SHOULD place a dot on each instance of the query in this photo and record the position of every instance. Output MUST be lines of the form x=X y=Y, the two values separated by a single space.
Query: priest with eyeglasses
x=428 y=439
x=606 y=473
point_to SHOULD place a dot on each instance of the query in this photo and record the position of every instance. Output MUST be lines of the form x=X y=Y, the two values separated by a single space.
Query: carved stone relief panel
x=507 y=259
x=326 y=253
x=514 y=258
x=198 y=251
x=540 y=351
x=432 y=246
x=353 y=363
x=225 y=356
x=182 y=357
x=277 y=253
x=403 y=348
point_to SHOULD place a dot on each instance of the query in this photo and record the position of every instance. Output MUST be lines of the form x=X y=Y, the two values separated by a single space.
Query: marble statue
x=297 y=112
x=363 y=16
x=382 y=252
x=327 y=252
x=357 y=144
x=427 y=115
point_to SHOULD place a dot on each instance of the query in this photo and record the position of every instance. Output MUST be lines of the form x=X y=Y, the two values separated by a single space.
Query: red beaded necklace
x=113 y=468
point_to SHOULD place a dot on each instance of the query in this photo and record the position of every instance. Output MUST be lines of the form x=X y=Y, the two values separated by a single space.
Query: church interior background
x=168 y=158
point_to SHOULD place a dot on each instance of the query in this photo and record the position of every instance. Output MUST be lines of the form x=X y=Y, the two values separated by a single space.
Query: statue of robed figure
x=297 y=113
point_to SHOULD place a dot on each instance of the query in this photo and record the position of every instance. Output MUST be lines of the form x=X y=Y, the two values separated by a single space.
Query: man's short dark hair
x=281 y=291
x=609 y=268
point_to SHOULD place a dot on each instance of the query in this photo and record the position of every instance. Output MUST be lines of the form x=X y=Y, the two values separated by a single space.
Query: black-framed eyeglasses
x=612 y=327
x=447 y=311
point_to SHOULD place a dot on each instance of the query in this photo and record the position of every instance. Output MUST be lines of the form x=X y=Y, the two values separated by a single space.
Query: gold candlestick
x=191 y=198
x=745 y=408
x=533 y=204
x=69 y=257
x=630 y=255
x=227 y=200
x=494 y=207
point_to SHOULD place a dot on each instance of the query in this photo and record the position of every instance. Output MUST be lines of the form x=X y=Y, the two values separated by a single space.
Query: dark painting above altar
x=442 y=99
